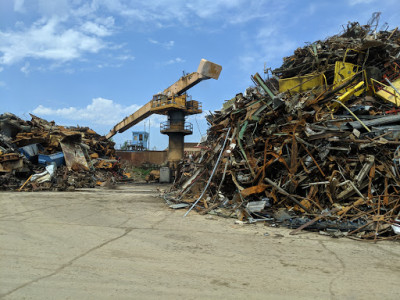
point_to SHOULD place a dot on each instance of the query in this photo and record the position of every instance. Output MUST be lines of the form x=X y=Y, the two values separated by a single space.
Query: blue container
x=31 y=151
x=58 y=158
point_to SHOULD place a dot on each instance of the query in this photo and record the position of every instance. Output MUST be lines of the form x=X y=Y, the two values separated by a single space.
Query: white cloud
x=25 y=69
x=248 y=61
x=19 y=6
x=166 y=45
x=47 y=39
x=269 y=46
x=1 y=69
x=125 y=57
x=107 y=65
x=100 y=111
x=158 y=13
x=266 y=32
x=55 y=8
x=155 y=121
x=96 y=29
x=208 y=8
x=235 y=11
x=355 y=2
x=70 y=29
x=2 y=84
x=175 y=61
x=161 y=13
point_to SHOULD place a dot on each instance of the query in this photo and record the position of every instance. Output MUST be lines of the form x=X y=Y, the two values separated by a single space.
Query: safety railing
x=167 y=126
x=194 y=106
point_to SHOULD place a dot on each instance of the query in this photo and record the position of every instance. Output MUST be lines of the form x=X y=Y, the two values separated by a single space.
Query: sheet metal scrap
x=90 y=158
x=326 y=154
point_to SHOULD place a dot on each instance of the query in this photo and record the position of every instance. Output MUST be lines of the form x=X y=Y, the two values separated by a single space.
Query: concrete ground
x=126 y=244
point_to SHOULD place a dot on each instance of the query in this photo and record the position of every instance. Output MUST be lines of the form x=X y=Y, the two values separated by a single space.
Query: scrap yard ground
x=125 y=243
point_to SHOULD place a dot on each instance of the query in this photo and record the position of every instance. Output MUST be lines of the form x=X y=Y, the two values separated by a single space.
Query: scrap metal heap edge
x=315 y=146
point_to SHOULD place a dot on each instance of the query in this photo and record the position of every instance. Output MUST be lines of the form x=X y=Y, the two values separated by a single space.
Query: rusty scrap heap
x=40 y=155
x=315 y=146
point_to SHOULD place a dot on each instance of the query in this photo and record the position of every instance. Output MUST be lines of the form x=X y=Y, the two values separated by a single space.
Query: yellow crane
x=174 y=103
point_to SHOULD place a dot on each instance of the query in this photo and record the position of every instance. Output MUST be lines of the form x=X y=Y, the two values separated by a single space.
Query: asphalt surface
x=126 y=244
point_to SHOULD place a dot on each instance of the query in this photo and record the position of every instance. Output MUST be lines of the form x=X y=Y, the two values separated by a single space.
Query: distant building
x=139 y=142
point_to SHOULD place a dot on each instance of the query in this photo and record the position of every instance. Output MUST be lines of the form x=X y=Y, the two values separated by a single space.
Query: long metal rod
x=263 y=85
x=212 y=174
x=369 y=130
x=282 y=191
x=223 y=176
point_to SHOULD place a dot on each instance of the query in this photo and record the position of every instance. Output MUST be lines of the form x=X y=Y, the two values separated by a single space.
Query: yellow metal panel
x=343 y=72
x=346 y=96
x=389 y=94
x=300 y=84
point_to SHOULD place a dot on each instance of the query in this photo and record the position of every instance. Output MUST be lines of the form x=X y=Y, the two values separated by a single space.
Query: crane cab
x=161 y=104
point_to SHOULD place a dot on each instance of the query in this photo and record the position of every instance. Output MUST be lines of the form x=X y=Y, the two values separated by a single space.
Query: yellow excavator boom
x=139 y=115
x=206 y=70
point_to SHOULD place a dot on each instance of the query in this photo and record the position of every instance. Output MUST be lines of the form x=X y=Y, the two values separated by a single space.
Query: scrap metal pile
x=40 y=155
x=315 y=146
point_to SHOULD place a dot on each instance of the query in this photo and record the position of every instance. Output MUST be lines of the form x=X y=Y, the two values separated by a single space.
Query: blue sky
x=91 y=63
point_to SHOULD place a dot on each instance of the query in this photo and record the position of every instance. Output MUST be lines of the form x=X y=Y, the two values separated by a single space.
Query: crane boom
x=139 y=115
x=206 y=70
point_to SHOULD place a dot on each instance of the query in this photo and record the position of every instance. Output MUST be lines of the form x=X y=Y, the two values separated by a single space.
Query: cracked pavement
x=126 y=244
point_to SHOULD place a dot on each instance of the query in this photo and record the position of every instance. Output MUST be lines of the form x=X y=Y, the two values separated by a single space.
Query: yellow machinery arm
x=206 y=70
x=139 y=115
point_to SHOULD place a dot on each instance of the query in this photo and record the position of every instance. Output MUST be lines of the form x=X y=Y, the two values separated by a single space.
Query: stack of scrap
x=314 y=146
x=40 y=155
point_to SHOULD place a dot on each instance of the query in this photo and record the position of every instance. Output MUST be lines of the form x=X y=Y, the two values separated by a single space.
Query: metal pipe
x=212 y=174
x=369 y=130
x=261 y=82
